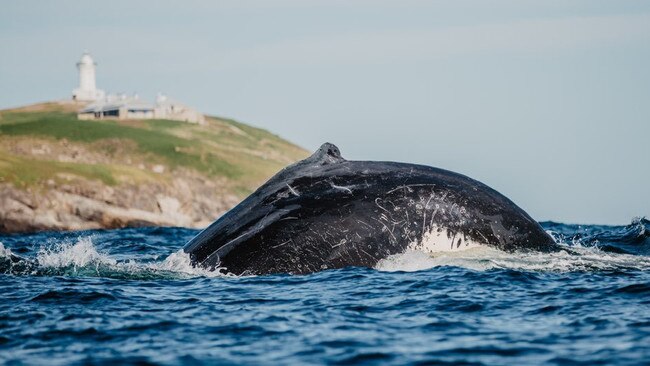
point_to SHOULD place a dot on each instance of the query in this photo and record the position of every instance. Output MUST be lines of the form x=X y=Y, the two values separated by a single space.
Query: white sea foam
x=417 y=260
x=179 y=262
x=485 y=258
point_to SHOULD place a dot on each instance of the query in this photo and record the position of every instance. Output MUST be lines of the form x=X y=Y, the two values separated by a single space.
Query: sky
x=548 y=101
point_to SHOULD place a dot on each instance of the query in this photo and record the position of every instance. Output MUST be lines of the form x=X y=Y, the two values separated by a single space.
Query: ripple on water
x=72 y=296
x=636 y=288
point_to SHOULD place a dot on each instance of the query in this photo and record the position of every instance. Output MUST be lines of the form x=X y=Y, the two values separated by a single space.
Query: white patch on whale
x=439 y=239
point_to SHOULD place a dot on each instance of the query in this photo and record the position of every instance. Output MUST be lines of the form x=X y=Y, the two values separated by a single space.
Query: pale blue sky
x=546 y=101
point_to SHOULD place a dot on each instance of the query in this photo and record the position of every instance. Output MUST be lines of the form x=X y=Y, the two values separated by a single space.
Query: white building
x=123 y=107
x=87 y=90
x=170 y=109
x=118 y=107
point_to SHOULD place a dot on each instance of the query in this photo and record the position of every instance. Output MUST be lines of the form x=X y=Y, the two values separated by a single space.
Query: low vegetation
x=23 y=172
x=245 y=156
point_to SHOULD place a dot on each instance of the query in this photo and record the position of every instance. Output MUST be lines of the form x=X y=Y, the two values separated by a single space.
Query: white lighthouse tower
x=87 y=90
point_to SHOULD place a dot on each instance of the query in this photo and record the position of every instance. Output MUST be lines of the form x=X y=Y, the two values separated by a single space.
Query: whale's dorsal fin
x=326 y=154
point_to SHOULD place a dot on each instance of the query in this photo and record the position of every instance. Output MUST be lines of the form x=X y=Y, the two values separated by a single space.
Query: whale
x=326 y=212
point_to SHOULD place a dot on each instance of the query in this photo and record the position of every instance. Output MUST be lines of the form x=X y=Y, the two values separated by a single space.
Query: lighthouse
x=87 y=90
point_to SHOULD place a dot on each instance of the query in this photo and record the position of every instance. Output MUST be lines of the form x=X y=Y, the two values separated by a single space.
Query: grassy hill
x=44 y=148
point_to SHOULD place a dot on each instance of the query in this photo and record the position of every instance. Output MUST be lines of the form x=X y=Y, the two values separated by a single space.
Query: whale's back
x=327 y=212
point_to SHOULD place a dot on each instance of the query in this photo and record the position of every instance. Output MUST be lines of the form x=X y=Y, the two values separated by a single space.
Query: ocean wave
x=633 y=238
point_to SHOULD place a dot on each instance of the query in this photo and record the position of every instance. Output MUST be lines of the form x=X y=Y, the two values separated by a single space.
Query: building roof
x=113 y=102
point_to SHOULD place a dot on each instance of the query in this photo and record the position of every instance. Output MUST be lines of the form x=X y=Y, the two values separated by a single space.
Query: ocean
x=130 y=297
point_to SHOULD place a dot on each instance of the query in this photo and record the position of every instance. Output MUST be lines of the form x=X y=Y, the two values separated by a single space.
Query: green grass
x=26 y=172
x=171 y=149
x=245 y=155
x=162 y=124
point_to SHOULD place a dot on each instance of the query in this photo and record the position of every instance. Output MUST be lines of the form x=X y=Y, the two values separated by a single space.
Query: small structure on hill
x=132 y=107
x=121 y=106
x=166 y=108
x=117 y=107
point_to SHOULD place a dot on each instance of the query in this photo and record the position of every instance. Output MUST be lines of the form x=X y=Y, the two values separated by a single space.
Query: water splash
x=4 y=252
x=82 y=258
x=179 y=262
x=81 y=254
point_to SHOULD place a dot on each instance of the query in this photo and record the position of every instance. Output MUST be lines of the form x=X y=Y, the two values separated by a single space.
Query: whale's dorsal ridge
x=328 y=153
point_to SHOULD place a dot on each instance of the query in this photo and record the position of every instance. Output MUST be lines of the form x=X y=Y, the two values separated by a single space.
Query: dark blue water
x=128 y=297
